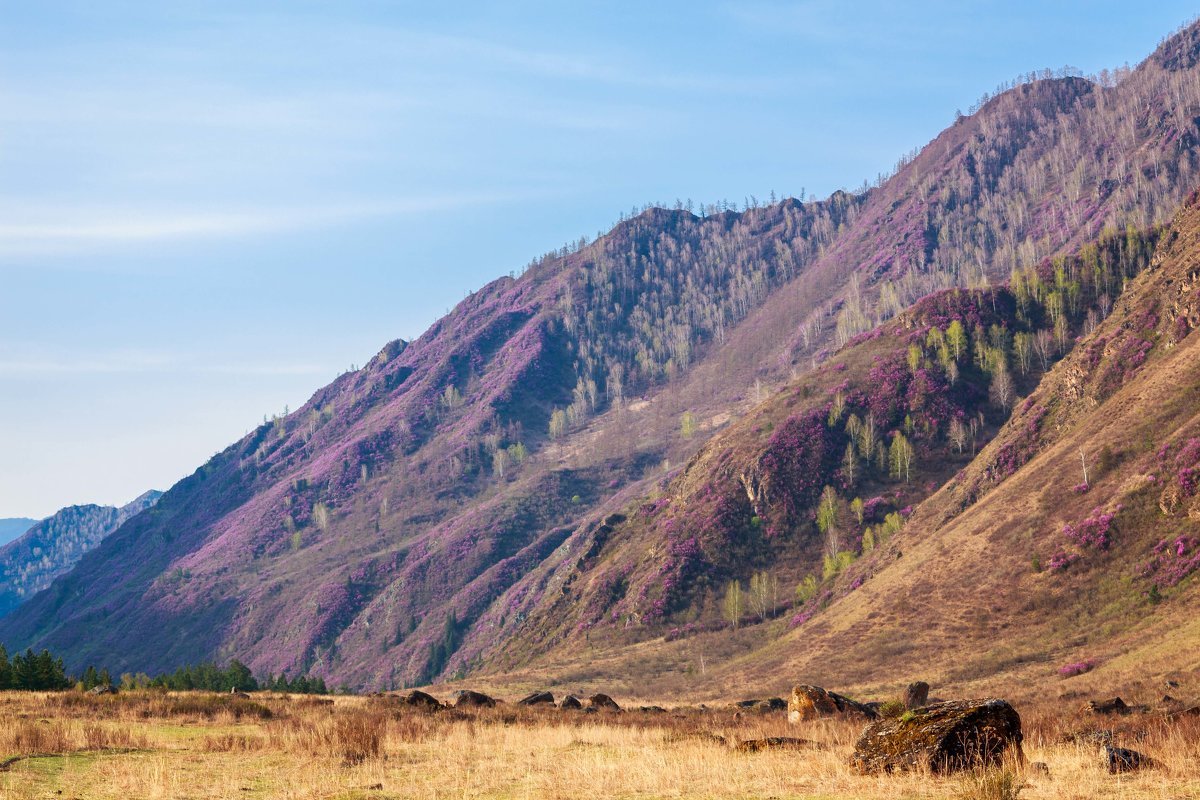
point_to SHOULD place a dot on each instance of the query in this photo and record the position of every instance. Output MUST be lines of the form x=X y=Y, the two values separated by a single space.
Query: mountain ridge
x=385 y=525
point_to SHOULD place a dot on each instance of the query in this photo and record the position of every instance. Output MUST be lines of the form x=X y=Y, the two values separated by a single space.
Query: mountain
x=14 y=527
x=412 y=520
x=1017 y=565
x=53 y=546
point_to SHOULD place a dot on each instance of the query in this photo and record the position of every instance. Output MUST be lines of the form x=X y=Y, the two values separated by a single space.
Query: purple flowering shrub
x=1077 y=668
x=799 y=460
x=1120 y=358
x=1172 y=560
x=1094 y=532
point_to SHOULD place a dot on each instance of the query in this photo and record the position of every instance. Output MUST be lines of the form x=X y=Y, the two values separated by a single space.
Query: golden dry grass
x=147 y=745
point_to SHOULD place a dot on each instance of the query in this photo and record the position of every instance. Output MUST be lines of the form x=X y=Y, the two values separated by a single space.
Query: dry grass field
x=157 y=745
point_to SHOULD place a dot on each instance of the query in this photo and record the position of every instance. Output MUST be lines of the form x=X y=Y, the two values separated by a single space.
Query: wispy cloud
x=132 y=362
x=65 y=230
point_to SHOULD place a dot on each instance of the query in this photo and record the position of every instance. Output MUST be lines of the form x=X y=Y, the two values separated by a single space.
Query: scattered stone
x=1172 y=684
x=945 y=737
x=695 y=736
x=772 y=743
x=98 y=690
x=470 y=699
x=771 y=704
x=1167 y=700
x=537 y=699
x=1120 y=759
x=652 y=709
x=602 y=702
x=1191 y=711
x=570 y=703
x=916 y=695
x=810 y=702
x=590 y=710
x=746 y=703
x=419 y=699
x=1039 y=768
x=1113 y=706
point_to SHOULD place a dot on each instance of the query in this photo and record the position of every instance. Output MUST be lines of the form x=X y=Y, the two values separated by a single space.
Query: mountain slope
x=54 y=546
x=390 y=522
x=1013 y=567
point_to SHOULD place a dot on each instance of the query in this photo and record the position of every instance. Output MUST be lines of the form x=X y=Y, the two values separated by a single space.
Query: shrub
x=1077 y=668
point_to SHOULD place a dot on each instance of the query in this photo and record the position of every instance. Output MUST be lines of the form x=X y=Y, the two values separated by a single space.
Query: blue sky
x=208 y=210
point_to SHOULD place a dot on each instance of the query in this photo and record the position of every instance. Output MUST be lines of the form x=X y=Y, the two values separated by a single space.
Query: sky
x=208 y=210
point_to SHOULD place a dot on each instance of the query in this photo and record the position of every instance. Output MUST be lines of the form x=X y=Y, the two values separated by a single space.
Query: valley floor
x=153 y=745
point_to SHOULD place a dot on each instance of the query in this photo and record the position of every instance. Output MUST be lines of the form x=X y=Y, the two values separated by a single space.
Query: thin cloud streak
x=54 y=231
x=136 y=362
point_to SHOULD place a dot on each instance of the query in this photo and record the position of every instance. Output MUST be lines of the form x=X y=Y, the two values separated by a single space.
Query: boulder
x=470 y=699
x=811 y=702
x=602 y=702
x=652 y=709
x=945 y=737
x=1113 y=706
x=772 y=743
x=98 y=690
x=771 y=704
x=537 y=699
x=1120 y=759
x=916 y=695
x=571 y=703
x=419 y=699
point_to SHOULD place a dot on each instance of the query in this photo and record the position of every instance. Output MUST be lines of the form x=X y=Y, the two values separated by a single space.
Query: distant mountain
x=14 y=527
x=53 y=546
x=445 y=509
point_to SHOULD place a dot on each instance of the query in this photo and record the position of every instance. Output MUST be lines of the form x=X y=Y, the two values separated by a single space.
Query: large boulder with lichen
x=812 y=702
x=944 y=737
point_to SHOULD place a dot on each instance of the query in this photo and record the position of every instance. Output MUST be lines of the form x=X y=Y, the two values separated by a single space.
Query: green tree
x=956 y=338
x=732 y=604
x=687 y=425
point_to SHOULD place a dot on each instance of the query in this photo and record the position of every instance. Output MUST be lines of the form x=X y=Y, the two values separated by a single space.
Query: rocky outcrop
x=602 y=702
x=418 y=699
x=812 y=702
x=537 y=699
x=941 y=738
x=916 y=695
x=1120 y=759
x=470 y=699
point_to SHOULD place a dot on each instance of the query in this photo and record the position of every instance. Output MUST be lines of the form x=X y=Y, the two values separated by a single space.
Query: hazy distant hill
x=53 y=546
x=14 y=527
x=446 y=508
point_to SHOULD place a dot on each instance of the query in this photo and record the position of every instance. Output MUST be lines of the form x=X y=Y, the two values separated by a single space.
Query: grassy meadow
x=194 y=745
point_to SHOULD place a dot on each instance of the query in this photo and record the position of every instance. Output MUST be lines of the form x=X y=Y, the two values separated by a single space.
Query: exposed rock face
x=537 y=699
x=810 y=702
x=916 y=695
x=420 y=699
x=950 y=736
x=470 y=699
x=602 y=702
